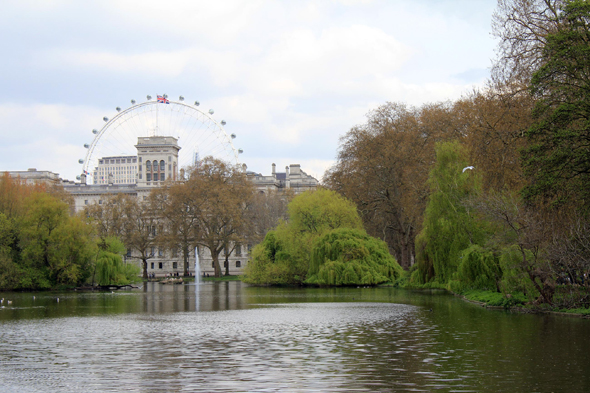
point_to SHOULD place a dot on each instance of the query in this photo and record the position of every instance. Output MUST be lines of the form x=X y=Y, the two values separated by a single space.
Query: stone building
x=33 y=176
x=157 y=161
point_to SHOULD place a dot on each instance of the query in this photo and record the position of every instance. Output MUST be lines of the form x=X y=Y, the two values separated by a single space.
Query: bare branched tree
x=522 y=26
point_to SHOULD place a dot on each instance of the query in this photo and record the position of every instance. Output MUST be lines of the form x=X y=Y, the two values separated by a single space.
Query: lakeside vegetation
x=42 y=246
x=490 y=192
x=322 y=243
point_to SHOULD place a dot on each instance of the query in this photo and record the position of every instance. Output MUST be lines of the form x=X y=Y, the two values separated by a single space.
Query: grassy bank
x=494 y=300
x=222 y=278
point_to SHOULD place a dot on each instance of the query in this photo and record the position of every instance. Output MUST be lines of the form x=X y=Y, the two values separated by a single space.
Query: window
x=238 y=263
x=160 y=252
x=100 y=202
x=174 y=265
x=249 y=248
x=86 y=202
x=152 y=252
x=148 y=165
x=162 y=166
x=128 y=253
x=169 y=168
x=152 y=265
x=135 y=160
x=140 y=176
x=169 y=158
x=140 y=168
x=175 y=252
x=139 y=159
x=159 y=265
x=155 y=177
x=238 y=249
x=162 y=177
x=148 y=177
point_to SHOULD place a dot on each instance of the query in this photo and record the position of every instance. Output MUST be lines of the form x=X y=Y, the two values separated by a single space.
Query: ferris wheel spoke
x=195 y=130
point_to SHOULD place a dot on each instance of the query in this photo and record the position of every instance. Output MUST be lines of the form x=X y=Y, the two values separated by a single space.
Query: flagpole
x=156 y=130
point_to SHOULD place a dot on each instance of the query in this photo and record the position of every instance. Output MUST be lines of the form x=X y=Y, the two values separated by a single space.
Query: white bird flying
x=467 y=167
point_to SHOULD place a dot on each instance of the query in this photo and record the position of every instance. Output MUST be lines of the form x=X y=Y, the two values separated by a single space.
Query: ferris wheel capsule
x=105 y=118
x=86 y=145
x=95 y=131
x=197 y=103
x=118 y=109
x=149 y=97
x=78 y=177
x=181 y=98
x=240 y=151
x=80 y=161
x=223 y=122
x=233 y=136
x=211 y=111
x=132 y=102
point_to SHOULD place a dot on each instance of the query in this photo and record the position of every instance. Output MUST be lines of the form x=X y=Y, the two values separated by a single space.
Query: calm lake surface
x=230 y=337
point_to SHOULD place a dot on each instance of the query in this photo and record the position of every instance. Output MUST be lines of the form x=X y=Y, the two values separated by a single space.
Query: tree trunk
x=215 y=256
x=144 y=263
x=185 y=260
x=226 y=264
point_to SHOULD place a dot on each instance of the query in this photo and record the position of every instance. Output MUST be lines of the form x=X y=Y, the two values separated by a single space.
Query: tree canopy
x=322 y=243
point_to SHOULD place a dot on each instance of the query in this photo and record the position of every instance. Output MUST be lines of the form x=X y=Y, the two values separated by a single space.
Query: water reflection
x=231 y=337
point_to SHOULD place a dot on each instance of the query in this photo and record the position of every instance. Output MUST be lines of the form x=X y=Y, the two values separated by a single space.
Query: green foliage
x=284 y=257
x=557 y=158
x=449 y=226
x=495 y=299
x=110 y=269
x=41 y=246
x=351 y=257
x=514 y=279
x=479 y=268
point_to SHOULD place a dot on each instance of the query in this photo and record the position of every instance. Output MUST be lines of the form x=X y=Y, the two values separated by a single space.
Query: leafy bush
x=351 y=257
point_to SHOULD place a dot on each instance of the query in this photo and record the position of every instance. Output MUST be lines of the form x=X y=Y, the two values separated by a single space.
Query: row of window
x=149 y=166
x=175 y=264
x=118 y=161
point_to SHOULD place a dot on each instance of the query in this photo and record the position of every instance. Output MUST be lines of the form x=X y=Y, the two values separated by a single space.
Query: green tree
x=110 y=267
x=558 y=158
x=346 y=256
x=56 y=248
x=449 y=225
x=285 y=254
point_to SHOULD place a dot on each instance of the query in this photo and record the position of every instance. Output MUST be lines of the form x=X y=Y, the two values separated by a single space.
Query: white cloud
x=151 y=63
x=47 y=137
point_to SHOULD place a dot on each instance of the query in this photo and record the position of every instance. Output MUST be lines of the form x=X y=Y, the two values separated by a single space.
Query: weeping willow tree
x=322 y=243
x=110 y=268
x=351 y=257
x=449 y=225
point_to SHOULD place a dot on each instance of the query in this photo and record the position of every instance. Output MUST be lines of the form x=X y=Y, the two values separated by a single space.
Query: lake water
x=237 y=338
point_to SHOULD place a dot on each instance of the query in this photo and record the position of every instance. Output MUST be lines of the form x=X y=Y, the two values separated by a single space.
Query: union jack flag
x=163 y=100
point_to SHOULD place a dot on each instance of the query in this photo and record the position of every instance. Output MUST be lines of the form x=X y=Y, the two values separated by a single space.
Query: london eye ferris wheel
x=198 y=133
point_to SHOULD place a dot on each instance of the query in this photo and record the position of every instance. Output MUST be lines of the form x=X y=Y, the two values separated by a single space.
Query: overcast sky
x=289 y=77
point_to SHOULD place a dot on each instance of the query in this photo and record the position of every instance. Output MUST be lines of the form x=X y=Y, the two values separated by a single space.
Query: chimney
x=274 y=170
